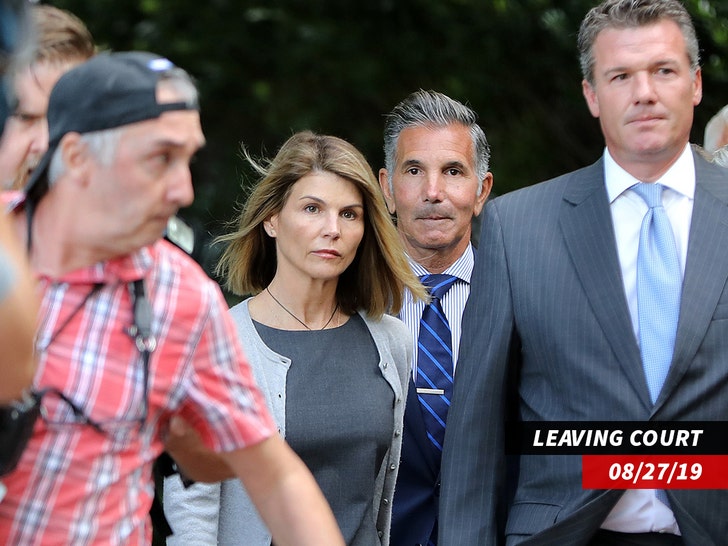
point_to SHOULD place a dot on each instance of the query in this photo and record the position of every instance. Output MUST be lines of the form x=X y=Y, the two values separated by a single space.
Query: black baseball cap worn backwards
x=109 y=90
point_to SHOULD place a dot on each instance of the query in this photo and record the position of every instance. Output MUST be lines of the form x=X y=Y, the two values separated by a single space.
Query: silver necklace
x=298 y=319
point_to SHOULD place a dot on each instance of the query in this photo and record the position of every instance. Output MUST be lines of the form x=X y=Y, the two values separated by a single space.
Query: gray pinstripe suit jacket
x=547 y=335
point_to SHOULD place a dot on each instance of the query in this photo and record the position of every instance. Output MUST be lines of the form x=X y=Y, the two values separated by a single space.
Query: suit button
x=385 y=502
x=396 y=434
x=392 y=466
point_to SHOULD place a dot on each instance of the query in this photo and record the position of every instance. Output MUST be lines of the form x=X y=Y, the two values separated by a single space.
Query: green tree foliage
x=268 y=68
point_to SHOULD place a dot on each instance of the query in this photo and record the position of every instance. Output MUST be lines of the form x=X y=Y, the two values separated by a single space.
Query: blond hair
x=61 y=37
x=376 y=279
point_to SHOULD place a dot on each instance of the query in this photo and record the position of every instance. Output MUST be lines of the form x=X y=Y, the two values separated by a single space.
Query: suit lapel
x=706 y=269
x=586 y=224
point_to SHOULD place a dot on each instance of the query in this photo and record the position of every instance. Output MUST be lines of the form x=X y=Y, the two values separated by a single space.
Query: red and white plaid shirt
x=77 y=486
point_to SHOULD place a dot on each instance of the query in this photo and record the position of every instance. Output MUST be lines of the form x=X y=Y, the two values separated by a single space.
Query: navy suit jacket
x=547 y=336
x=417 y=493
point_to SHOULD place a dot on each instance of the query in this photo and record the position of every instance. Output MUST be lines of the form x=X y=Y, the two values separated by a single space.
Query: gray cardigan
x=222 y=513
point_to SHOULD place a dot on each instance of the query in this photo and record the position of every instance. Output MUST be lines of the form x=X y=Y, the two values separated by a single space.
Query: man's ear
x=386 y=190
x=484 y=193
x=590 y=96
x=76 y=155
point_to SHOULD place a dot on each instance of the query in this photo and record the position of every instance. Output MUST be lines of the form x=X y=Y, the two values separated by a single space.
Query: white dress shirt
x=453 y=303
x=639 y=510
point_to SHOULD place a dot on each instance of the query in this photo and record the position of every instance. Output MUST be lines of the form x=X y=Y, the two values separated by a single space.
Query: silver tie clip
x=421 y=390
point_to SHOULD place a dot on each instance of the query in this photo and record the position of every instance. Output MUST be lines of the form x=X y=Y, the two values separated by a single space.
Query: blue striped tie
x=434 y=360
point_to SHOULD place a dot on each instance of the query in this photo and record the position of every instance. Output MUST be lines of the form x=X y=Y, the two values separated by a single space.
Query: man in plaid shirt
x=132 y=332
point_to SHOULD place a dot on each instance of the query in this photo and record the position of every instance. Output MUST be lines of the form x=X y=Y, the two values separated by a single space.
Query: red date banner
x=654 y=472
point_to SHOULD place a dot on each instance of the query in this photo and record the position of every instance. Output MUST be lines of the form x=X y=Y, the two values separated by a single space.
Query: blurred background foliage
x=267 y=68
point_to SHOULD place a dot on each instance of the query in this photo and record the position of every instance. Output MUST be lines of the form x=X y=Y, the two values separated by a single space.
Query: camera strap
x=18 y=418
x=141 y=331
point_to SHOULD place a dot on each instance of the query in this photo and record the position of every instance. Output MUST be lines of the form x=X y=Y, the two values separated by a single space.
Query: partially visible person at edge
x=716 y=131
x=132 y=332
x=436 y=181
x=720 y=156
x=62 y=41
x=18 y=303
x=316 y=247
x=18 y=308
x=566 y=321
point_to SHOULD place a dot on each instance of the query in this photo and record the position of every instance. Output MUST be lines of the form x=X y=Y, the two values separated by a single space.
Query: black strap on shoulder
x=141 y=331
x=145 y=341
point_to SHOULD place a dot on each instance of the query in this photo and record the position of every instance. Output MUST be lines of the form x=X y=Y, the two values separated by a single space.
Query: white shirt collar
x=680 y=177
x=462 y=268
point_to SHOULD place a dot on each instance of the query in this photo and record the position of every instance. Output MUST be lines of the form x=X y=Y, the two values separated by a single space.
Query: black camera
x=17 y=420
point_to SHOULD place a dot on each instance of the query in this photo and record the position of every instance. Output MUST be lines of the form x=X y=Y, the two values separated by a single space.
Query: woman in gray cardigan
x=316 y=246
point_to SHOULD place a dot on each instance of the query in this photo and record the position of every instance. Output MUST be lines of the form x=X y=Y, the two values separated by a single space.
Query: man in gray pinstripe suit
x=550 y=329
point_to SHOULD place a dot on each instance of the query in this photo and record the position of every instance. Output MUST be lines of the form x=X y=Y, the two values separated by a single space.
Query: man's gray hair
x=720 y=156
x=716 y=131
x=433 y=109
x=101 y=144
x=181 y=83
x=623 y=14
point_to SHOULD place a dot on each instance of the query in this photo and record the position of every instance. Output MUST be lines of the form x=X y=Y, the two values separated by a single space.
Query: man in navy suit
x=436 y=181
x=554 y=329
